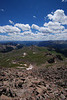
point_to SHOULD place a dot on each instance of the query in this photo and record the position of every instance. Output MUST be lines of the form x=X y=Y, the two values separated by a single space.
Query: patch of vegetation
x=34 y=55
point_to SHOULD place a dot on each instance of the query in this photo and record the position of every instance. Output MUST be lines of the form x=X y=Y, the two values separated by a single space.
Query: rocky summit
x=46 y=83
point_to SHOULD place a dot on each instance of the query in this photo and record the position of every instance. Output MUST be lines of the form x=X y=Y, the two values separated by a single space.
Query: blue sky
x=33 y=20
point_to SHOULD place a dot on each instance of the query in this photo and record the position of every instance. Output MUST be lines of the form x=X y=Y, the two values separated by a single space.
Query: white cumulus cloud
x=58 y=16
x=54 y=29
x=34 y=26
x=54 y=26
x=44 y=30
x=9 y=29
x=24 y=27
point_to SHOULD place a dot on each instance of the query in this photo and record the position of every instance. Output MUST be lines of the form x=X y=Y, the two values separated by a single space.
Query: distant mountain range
x=59 y=45
x=62 y=43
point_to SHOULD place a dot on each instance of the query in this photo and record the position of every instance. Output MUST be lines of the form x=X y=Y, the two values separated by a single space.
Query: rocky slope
x=37 y=84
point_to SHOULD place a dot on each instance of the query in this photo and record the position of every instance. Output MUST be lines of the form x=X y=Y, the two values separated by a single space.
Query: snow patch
x=30 y=67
